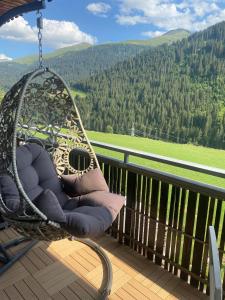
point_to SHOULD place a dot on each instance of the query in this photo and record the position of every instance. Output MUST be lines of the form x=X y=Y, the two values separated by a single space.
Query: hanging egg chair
x=51 y=186
x=46 y=161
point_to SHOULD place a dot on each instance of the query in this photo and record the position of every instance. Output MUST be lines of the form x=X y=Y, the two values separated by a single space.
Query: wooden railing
x=166 y=217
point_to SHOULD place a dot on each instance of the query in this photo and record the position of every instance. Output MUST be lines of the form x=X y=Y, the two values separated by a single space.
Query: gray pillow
x=48 y=203
x=112 y=202
x=75 y=185
x=9 y=192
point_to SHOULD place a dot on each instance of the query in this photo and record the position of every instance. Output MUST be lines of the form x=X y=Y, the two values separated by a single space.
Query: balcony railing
x=166 y=217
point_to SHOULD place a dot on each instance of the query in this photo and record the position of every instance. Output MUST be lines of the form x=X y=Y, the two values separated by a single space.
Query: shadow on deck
x=70 y=270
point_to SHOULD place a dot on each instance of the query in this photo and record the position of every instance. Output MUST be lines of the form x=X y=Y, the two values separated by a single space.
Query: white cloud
x=153 y=34
x=99 y=8
x=59 y=34
x=18 y=30
x=170 y=14
x=3 y=57
x=56 y=34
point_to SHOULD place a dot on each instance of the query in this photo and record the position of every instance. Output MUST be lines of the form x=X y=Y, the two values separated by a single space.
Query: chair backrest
x=214 y=267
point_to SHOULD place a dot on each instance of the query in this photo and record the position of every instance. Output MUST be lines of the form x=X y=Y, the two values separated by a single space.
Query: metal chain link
x=40 y=27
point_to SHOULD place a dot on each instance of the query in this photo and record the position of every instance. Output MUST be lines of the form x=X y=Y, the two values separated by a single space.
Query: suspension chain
x=40 y=27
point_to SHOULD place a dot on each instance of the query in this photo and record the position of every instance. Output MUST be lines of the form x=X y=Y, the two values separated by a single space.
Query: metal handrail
x=214 y=267
x=162 y=159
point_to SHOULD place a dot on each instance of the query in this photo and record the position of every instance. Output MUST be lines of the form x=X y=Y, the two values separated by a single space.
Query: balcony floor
x=71 y=270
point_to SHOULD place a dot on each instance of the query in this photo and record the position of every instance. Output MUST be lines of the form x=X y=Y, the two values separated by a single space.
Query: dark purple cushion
x=110 y=201
x=87 y=221
x=9 y=192
x=48 y=203
x=90 y=215
x=37 y=172
x=75 y=185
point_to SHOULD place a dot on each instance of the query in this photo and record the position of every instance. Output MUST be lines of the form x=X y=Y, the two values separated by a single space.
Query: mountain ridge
x=174 y=92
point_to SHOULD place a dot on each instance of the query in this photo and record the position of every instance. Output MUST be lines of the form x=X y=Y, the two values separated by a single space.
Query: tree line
x=173 y=92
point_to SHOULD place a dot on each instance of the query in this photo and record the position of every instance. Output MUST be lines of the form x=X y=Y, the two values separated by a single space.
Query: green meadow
x=197 y=154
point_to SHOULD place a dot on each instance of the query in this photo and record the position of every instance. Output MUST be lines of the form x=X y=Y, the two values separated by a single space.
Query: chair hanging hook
x=40 y=27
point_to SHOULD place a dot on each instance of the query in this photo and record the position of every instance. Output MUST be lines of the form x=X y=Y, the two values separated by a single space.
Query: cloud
x=170 y=14
x=99 y=8
x=153 y=34
x=59 y=34
x=3 y=57
x=56 y=34
x=18 y=30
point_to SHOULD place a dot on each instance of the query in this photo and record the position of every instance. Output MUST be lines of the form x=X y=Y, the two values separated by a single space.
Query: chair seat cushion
x=91 y=214
x=112 y=202
x=88 y=214
x=86 y=221
x=75 y=185
x=48 y=203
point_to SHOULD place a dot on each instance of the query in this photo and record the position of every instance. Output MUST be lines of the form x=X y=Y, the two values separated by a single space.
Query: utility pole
x=132 y=130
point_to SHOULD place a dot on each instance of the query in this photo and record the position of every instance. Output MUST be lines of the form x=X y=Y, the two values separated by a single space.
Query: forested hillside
x=82 y=61
x=174 y=92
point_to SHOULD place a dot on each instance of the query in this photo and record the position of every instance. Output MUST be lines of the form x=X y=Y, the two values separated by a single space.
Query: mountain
x=57 y=53
x=78 y=62
x=173 y=92
x=167 y=38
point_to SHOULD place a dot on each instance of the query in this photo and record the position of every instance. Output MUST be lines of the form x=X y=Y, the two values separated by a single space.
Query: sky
x=70 y=22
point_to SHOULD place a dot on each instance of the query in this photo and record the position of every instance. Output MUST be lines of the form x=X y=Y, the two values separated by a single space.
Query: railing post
x=214 y=267
x=126 y=158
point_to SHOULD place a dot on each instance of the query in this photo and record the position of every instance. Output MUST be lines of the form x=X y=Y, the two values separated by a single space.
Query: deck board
x=71 y=270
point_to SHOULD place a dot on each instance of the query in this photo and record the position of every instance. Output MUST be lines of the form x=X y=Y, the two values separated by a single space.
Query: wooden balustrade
x=166 y=217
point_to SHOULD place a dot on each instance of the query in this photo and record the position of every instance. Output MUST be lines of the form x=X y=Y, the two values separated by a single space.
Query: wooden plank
x=172 y=221
x=73 y=264
x=134 y=292
x=153 y=215
x=147 y=213
x=13 y=293
x=55 y=277
x=24 y=290
x=143 y=290
x=180 y=219
x=36 y=288
x=88 y=288
x=201 y=229
x=43 y=256
x=136 y=223
x=161 y=235
x=115 y=188
x=205 y=255
x=107 y=173
x=80 y=291
x=69 y=294
x=14 y=274
x=123 y=185
x=39 y=264
x=124 y=294
x=189 y=228
x=83 y=261
x=129 y=216
x=142 y=213
x=3 y=296
x=89 y=258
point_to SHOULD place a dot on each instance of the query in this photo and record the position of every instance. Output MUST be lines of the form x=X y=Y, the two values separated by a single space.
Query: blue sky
x=69 y=22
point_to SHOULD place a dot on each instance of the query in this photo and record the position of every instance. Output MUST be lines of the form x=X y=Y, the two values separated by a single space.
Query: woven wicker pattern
x=40 y=108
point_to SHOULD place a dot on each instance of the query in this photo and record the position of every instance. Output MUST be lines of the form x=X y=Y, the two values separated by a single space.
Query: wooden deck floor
x=70 y=270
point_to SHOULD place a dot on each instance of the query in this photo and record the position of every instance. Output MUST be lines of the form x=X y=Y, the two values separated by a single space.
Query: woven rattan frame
x=40 y=106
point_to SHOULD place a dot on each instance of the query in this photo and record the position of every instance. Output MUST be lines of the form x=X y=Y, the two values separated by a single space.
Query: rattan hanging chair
x=40 y=110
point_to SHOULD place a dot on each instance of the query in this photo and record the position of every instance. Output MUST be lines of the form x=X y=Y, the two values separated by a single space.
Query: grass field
x=202 y=155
